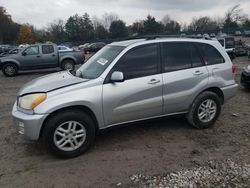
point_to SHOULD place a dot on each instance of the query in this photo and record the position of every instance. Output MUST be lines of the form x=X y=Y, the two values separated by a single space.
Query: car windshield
x=98 y=63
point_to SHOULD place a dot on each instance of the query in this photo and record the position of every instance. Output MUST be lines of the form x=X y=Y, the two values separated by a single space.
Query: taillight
x=233 y=68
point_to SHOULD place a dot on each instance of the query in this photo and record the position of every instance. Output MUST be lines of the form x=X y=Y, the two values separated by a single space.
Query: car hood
x=50 y=82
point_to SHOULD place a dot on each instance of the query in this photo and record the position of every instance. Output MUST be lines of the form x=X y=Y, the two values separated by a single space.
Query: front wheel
x=205 y=110
x=69 y=134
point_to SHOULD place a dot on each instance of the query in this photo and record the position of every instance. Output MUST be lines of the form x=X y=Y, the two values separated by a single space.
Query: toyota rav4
x=126 y=82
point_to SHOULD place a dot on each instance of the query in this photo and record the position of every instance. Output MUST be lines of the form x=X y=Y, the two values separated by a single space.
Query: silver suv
x=126 y=82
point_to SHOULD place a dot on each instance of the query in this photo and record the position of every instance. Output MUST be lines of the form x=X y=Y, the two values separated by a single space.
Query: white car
x=64 y=49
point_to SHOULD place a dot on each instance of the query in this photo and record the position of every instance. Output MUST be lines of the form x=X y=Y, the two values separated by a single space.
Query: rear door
x=219 y=71
x=140 y=95
x=184 y=73
x=49 y=56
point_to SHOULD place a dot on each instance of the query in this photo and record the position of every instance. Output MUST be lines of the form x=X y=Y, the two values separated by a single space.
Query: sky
x=41 y=12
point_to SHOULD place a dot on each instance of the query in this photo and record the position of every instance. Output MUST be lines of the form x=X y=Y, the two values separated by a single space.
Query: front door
x=31 y=58
x=140 y=95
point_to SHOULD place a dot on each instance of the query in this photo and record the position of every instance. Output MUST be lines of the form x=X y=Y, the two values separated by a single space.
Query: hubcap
x=69 y=136
x=10 y=70
x=207 y=111
x=68 y=66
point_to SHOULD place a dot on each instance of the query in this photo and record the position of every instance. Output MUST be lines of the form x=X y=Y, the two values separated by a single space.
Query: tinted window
x=195 y=56
x=180 y=55
x=139 y=62
x=210 y=54
x=47 y=49
x=33 y=50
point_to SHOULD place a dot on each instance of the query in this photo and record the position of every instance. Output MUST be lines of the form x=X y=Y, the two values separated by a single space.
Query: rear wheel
x=68 y=65
x=69 y=135
x=9 y=69
x=205 y=110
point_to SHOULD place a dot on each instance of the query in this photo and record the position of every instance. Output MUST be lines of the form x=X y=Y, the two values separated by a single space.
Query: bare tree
x=96 y=21
x=108 y=18
x=235 y=14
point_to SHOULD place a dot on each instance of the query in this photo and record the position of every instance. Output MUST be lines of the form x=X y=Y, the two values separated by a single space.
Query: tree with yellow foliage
x=25 y=34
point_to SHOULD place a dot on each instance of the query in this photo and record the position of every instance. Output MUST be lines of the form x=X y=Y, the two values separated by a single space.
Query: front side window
x=32 y=50
x=139 y=62
x=210 y=54
x=47 y=49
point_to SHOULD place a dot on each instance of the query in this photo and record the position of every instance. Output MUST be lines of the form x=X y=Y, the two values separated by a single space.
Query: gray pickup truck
x=40 y=56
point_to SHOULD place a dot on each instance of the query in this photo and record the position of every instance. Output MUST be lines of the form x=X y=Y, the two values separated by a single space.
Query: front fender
x=90 y=98
x=9 y=60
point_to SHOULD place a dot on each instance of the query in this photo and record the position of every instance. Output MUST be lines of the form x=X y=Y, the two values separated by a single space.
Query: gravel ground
x=159 y=153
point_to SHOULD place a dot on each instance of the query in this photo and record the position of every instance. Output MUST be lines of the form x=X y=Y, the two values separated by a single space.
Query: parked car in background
x=245 y=78
x=13 y=51
x=94 y=47
x=126 y=82
x=64 y=49
x=199 y=36
x=67 y=44
x=212 y=35
x=228 y=43
x=6 y=48
x=82 y=47
x=247 y=33
x=40 y=56
x=206 y=36
x=240 y=51
x=23 y=45
x=237 y=33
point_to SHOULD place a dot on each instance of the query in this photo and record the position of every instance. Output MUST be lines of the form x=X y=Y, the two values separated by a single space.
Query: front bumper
x=28 y=125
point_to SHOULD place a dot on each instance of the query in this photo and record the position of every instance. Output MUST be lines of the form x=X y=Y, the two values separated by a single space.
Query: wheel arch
x=215 y=90
x=68 y=58
x=75 y=107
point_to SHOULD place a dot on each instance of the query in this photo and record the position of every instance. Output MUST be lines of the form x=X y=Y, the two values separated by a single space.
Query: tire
x=199 y=106
x=61 y=121
x=9 y=69
x=68 y=64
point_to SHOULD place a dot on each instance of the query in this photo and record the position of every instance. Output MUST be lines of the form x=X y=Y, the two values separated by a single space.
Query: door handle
x=198 y=72
x=53 y=55
x=38 y=56
x=154 y=81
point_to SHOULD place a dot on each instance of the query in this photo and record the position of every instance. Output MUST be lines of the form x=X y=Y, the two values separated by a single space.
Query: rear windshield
x=98 y=63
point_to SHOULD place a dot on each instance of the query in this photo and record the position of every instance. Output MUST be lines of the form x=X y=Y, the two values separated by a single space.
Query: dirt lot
x=129 y=156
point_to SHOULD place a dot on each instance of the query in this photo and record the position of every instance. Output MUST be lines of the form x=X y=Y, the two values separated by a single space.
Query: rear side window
x=47 y=49
x=139 y=62
x=179 y=56
x=210 y=54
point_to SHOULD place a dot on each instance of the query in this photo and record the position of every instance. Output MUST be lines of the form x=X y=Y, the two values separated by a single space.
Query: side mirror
x=24 y=53
x=117 y=76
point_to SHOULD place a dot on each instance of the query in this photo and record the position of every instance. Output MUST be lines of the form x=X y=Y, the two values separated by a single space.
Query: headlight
x=30 y=101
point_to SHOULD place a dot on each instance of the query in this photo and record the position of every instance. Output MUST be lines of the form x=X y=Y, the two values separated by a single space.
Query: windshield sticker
x=102 y=61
